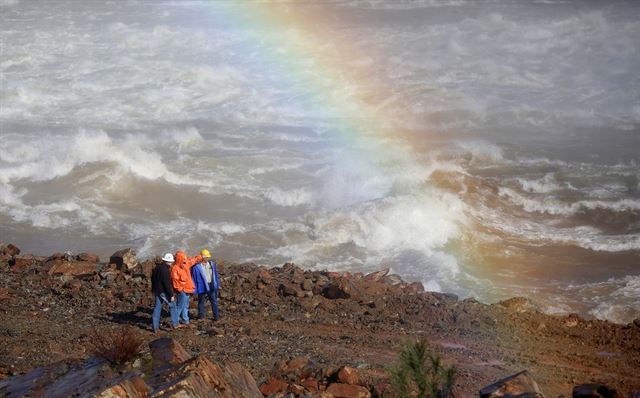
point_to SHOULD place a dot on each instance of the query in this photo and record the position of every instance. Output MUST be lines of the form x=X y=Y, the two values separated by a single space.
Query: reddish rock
x=311 y=384
x=21 y=263
x=146 y=268
x=88 y=257
x=286 y=290
x=348 y=375
x=572 y=320
x=520 y=384
x=338 y=289
x=4 y=294
x=593 y=391
x=10 y=250
x=414 y=288
x=296 y=389
x=376 y=276
x=380 y=388
x=519 y=304
x=273 y=385
x=125 y=259
x=297 y=364
x=167 y=352
x=76 y=269
x=340 y=390
x=307 y=285
x=332 y=275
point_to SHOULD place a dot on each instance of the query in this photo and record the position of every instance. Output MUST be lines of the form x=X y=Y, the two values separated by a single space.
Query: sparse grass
x=117 y=347
x=421 y=374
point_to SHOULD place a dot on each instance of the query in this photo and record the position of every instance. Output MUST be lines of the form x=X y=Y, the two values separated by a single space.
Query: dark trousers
x=212 y=295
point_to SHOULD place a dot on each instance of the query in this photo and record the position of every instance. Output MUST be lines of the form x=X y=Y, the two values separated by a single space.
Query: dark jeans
x=212 y=295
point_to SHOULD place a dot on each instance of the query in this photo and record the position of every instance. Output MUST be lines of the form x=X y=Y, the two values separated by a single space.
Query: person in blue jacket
x=207 y=282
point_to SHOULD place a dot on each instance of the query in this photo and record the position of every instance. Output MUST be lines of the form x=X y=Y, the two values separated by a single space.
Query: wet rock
x=9 y=250
x=520 y=384
x=391 y=280
x=519 y=304
x=338 y=289
x=376 y=276
x=340 y=390
x=88 y=257
x=73 y=269
x=348 y=375
x=273 y=385
x=125 y=259
x=593 y=391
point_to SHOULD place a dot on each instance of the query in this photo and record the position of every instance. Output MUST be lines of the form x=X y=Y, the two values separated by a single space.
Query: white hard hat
x=168 y=258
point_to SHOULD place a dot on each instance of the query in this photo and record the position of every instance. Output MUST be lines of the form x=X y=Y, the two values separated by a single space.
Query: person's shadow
x=140 y=317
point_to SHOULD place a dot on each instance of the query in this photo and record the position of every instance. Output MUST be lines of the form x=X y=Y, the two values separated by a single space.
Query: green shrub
x=421 y=374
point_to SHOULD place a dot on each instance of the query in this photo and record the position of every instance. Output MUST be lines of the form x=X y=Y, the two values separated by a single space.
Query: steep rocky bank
x=52 y=307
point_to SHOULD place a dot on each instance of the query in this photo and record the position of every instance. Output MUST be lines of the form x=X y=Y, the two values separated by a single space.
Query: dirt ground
x=271 y=315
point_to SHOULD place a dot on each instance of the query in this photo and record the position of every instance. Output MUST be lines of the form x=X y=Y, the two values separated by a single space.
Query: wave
x=556 y=207
x=545 y=184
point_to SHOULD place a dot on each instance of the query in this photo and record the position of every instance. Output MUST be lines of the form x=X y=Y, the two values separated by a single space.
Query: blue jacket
x=200 y=280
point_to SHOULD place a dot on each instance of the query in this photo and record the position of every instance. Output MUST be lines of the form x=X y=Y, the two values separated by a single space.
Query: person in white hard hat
x=162 y=288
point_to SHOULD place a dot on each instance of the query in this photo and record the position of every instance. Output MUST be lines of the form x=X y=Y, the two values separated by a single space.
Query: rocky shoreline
x=53 y=307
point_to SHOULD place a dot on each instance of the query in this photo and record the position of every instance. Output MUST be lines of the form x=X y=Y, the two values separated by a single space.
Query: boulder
x=593 y=391
x=167 y=352
x=307 y=285
x=286 y=290
x=520 y=384
x=9 y=250
x=74 y=269
x=636 y=322
x=391 y=280
x=21 y=263
x=376 y=276
x=124 y=259
x=146 y=268
x=519 y=304
x=311 y=384
x=90 y=378
x=348 y=375
x=88 y=257
x=340 y=390
x=338 y=289
x=199 y=377
x=273 y=385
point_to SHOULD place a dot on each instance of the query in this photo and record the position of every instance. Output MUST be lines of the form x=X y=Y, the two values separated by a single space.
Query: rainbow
x=290 y=51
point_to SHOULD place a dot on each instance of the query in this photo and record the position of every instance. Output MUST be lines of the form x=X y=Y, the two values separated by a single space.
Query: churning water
x=489 y=149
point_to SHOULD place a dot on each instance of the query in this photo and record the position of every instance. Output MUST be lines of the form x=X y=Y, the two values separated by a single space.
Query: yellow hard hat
x=205 y=253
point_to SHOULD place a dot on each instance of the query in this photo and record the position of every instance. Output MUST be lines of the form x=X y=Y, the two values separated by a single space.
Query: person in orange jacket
x=183 y=283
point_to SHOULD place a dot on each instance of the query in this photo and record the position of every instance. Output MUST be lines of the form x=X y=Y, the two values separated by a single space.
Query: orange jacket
x=181 y=272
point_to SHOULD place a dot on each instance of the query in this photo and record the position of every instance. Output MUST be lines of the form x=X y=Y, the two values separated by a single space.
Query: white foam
x=553 y=206
x=291 y=197
x=545 y=184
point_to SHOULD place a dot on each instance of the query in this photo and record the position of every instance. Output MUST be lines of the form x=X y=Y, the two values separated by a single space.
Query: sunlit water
x=489 y=149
